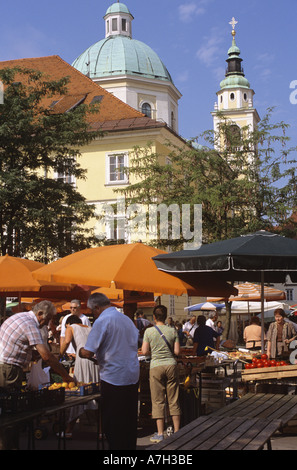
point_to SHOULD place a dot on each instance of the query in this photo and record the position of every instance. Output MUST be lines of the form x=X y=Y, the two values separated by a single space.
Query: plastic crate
x=14 y=402
x=83 y=390
x=32 y=400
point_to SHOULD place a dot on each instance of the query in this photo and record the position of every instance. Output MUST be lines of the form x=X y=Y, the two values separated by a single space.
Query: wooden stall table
x=69 y=403
x=246 y=424
x=268 y=406
x=221 y=433
x=269 y=373
x=28 y=417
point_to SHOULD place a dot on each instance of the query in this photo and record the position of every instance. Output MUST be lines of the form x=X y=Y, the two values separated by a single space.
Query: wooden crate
x=213 y=394
x=213 y=399
x=268 y=373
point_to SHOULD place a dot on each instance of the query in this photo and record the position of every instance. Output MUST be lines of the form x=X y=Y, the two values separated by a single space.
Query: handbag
x=165 y=339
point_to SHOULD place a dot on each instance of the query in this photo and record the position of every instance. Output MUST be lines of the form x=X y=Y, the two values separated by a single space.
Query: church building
x=130 y=69
x=138 y=105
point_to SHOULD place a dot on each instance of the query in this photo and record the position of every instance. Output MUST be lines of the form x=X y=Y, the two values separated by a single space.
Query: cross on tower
x=233 y=22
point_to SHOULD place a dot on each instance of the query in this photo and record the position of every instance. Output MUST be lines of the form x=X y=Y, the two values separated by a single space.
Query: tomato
x=278 y=364
x=283 y=363
x=259 y=364
x=247 y=366
x=264 y=357
x=253 y=366
x=273 y=363
x=254 y=360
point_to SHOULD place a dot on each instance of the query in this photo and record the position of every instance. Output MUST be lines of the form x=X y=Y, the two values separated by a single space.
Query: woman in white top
x=84 y=371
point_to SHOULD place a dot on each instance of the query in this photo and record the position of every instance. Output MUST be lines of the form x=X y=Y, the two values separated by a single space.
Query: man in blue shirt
x=204 y=336
x=114 y=341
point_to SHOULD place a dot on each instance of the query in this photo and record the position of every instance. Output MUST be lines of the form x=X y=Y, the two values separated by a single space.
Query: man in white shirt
x=212 y=318
x=114 y=341
x=75 y=309
x=190 y=327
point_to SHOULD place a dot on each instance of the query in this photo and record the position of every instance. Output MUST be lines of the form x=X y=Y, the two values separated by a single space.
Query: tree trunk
x=226 y=331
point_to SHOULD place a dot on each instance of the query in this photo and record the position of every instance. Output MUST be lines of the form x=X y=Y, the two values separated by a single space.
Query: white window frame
x=110 y=181
x=289 y=294
x=70 y=179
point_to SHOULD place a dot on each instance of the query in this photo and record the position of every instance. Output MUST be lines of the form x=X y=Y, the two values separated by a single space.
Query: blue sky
x=192 y=38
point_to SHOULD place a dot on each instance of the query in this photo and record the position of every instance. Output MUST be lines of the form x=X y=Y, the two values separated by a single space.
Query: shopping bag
x=38 y=376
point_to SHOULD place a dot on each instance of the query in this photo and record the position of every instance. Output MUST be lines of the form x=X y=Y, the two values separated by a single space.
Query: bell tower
x=235 y=97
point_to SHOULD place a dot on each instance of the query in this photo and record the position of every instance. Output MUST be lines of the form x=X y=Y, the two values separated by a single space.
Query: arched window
x=146 y=109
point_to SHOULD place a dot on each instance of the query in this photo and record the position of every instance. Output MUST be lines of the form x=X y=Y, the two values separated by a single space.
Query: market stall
x=28 y=407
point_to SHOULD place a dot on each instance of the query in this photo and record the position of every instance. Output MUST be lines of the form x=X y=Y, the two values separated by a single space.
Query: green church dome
x=118 y=54
x=118 y=8
x=234 y=81
x=121 y=55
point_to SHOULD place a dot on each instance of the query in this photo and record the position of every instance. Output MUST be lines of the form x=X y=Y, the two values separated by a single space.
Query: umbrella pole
x=262 y=311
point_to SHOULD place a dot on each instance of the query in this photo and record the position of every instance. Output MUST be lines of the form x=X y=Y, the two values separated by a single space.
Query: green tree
x=245 y=185
x=41 y=214
x=245 y=181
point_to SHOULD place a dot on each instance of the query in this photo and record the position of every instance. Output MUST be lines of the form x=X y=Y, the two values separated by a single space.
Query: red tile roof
x=113 y=113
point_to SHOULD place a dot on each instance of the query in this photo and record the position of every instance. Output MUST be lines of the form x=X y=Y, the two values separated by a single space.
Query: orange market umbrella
x=16 y=278
x=252 y=292
x=128 y=267
x=16 y=274
x=111 y=292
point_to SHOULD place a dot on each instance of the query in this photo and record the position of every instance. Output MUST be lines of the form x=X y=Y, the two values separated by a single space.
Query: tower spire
x=235 y=97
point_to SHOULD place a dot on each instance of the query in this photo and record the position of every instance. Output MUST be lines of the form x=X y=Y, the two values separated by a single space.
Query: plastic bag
x=38 y=376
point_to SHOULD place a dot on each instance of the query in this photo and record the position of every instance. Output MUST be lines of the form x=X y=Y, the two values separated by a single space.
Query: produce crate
x=266 y=373
x=14 y=402
x=54 y=397
x=213 y=399
x=18 y=402
x=83 y=390
x=213 y=394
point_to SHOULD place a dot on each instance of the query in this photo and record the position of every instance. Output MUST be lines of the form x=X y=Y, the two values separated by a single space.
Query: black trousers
x=119 y=415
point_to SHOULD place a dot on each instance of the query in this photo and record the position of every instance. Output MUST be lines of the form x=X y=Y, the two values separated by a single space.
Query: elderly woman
x=280 y=334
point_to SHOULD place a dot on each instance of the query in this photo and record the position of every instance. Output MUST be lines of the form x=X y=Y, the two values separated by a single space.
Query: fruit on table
x=66 y=385
x=259 y=363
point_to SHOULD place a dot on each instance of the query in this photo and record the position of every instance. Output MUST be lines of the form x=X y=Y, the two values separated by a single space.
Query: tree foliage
x=41 y=214
x=245 y=181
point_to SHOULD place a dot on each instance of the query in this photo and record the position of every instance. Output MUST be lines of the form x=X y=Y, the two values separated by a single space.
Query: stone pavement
x=84 y=439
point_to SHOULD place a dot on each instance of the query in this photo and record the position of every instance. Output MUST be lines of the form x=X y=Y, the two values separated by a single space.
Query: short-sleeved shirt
x=190 y=328
x=204 y=337
x=114 y=340
x=18 y=335
x=160 y=353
